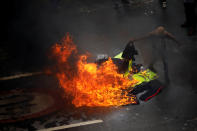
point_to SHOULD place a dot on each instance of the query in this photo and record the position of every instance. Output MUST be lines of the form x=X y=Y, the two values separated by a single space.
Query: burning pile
x=86 y=83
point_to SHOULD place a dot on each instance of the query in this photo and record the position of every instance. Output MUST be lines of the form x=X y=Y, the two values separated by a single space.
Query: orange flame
x=88 y=84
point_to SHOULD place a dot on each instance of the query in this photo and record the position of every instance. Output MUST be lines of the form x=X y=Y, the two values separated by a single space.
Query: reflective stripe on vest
x=145 y=76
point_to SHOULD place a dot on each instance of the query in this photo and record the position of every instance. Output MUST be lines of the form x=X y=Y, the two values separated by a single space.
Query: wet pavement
x=99 y=27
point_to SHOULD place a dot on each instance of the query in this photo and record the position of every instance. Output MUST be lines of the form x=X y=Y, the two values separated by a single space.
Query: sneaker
x=164 y=4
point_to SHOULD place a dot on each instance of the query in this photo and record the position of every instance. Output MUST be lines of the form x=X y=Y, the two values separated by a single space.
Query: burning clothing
x=94 y=84
x=146 y=79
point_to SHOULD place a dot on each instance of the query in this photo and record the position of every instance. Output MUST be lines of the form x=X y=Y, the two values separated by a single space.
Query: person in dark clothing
x=190 y=16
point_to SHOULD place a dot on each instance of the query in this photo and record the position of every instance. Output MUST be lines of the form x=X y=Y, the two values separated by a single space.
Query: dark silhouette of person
x=190 y=17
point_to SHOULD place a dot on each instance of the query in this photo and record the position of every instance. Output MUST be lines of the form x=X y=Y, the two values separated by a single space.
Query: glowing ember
x=88 y=84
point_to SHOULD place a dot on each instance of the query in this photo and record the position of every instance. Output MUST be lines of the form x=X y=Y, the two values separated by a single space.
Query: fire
x=87 y=83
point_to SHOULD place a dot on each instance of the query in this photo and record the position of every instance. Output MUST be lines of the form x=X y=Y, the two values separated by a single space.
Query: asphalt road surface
x=99 y=27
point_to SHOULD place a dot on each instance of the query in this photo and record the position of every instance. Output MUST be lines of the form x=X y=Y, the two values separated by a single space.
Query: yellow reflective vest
x=142 y=76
